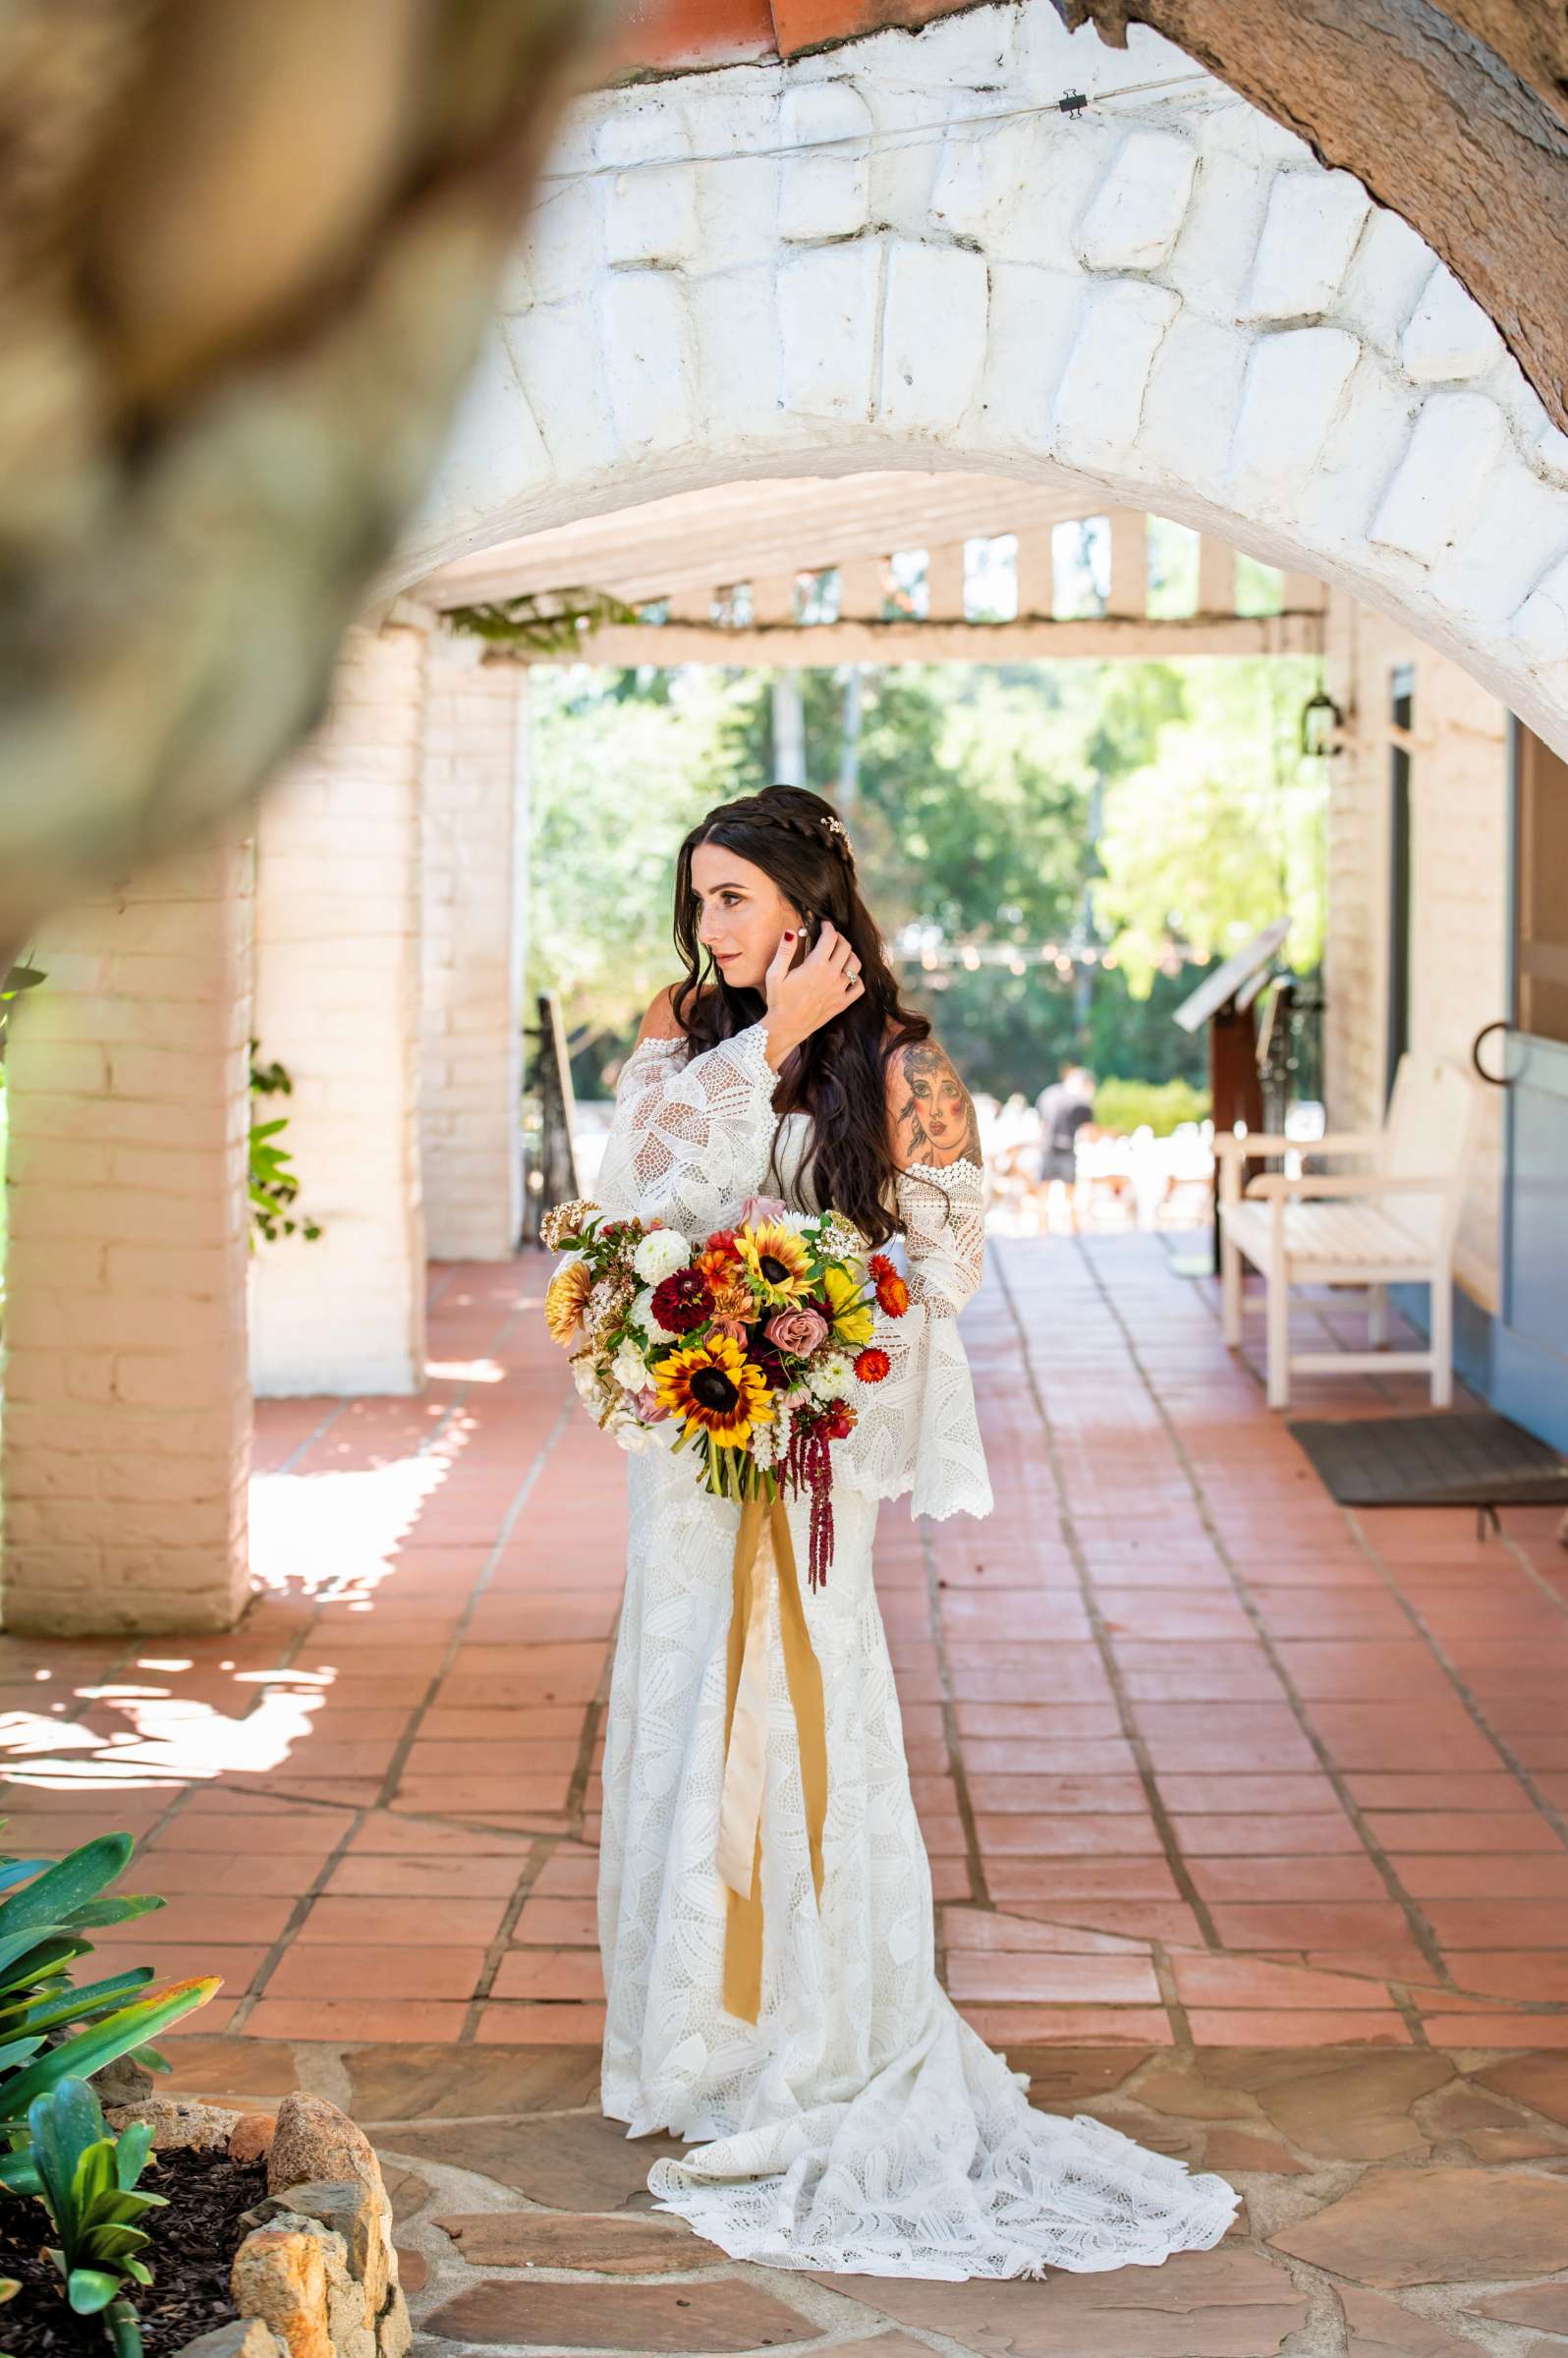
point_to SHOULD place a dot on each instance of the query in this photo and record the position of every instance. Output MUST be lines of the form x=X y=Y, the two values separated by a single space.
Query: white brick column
x=337 y=1003
x=126 y=1440
x=475 y=826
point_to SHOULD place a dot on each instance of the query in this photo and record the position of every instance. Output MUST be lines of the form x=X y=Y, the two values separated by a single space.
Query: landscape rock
x=394 y=2328
x=180 y=2124
x=250 y=2139
x=313 y=2140
x=241 y=2337
x=280 y=2276
x=122 y=2081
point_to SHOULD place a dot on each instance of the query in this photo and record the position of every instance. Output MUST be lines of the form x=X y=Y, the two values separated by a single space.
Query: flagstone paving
x=1246 y=1818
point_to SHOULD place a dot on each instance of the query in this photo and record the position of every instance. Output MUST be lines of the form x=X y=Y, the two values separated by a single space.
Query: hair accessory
x=836 y=826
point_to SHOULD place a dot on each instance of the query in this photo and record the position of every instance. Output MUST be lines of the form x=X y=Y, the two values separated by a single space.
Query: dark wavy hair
x=840 y=1076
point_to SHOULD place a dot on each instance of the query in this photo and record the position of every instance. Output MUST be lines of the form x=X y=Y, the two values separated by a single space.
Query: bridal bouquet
x=749 y=1346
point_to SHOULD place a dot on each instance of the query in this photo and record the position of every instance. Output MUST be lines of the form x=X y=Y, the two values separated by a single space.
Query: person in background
x=1064 y=1107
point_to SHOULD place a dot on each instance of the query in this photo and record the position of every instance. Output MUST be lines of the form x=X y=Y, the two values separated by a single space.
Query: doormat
x=1446 y=1459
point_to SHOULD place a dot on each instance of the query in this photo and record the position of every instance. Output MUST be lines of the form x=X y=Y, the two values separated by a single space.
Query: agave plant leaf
x=151 y=2059
x=130 y=2154
x=66 y=2120
x=64 y=2003
x=115 y=1911
x=112 y=2036
x=54 y=1897
x=18 y=2173
x=17 y=2050
x=90 y=2289
x=92 y=2180
x=26 y=1941
x=18 y=1871
x=47 y=1961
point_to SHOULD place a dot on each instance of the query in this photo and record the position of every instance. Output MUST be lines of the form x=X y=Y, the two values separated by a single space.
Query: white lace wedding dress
x=858 y=2125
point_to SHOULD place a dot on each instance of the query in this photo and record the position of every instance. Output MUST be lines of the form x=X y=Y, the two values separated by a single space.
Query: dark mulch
x=192 y=2247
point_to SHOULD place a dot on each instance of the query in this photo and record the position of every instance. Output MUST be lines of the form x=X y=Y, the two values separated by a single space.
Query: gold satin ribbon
x=764 y=1568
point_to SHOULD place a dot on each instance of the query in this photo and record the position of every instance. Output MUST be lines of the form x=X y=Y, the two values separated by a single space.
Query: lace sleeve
x=690 y=1140
x=918 y=1431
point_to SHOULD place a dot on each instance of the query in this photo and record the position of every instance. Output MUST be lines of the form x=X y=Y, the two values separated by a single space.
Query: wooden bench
x=1392 y=1223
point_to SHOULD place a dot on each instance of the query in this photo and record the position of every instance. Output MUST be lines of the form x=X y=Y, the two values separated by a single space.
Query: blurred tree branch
x=247 y=251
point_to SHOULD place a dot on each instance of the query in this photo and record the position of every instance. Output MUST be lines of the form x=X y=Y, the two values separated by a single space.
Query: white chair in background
x=1392 y=1223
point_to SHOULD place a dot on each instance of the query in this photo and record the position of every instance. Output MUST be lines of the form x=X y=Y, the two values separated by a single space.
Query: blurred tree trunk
x=247 y=251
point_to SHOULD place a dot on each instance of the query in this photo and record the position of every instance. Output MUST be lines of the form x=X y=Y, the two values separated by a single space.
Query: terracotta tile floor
x=1201 y=1758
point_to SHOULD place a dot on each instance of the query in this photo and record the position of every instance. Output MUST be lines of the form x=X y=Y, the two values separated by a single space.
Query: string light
x=1072 y=105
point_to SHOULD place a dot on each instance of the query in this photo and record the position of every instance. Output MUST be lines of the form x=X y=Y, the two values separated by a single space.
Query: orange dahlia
x=873 y=1366
x=565 y=1299
x=719 y=1258
x=714 y=1389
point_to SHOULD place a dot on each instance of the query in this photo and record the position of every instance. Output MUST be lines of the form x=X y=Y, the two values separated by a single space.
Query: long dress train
x=859 y=2124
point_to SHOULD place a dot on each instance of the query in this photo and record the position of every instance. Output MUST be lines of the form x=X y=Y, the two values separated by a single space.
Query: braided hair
x=799 y=841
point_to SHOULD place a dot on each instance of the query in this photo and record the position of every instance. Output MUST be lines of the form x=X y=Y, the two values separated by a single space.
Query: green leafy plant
x=51 y=1905
x=1126 y=1105
x=551 y=623
x=274 y=1182
x=87 y=2186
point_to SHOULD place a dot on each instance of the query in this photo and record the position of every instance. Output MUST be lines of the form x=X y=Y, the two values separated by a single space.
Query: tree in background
x=1223 y=828
x=994 y=808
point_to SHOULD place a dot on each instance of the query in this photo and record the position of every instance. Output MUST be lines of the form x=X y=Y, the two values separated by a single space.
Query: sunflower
x=714 y=1389
x=776 y=1263
x=564 y=1300
x=852 y=1323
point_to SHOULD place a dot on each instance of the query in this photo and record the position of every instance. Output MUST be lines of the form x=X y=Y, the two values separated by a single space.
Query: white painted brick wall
x=337 y=992
x=1459 y=893
x=473 y=842
x=125 y=1444
x=839 y=263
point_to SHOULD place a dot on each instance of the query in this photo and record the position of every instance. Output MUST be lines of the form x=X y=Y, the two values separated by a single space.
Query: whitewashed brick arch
x=903 y=254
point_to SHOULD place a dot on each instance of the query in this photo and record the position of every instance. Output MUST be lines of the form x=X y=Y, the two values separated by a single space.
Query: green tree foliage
x=618 y=777
x=974 y=816
x=1221 y=828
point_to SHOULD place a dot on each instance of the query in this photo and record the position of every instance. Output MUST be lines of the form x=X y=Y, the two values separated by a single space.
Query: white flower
x=799 y=1221
x=636 y=1439
x=585 y=1377
x=661 y=1253
x=832 y=1377
x=629 y=1367
x=643 y=1316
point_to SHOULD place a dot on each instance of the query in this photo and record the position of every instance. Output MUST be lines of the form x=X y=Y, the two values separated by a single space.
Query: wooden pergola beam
x=1031 y=640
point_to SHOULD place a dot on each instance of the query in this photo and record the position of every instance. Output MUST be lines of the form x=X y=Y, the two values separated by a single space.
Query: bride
x=857 y=2123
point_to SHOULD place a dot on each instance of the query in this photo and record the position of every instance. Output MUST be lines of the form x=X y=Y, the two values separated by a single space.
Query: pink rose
x=799 y=1331
x=760 y=1207
x=650 y=1409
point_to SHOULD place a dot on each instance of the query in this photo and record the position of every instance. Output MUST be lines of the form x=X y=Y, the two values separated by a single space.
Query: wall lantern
x=1321 y=723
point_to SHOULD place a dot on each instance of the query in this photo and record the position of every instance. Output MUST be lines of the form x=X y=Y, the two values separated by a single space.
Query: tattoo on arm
x=935 y=1120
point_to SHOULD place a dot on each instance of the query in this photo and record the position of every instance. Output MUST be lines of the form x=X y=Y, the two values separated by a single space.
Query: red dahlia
x=683 y=1302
